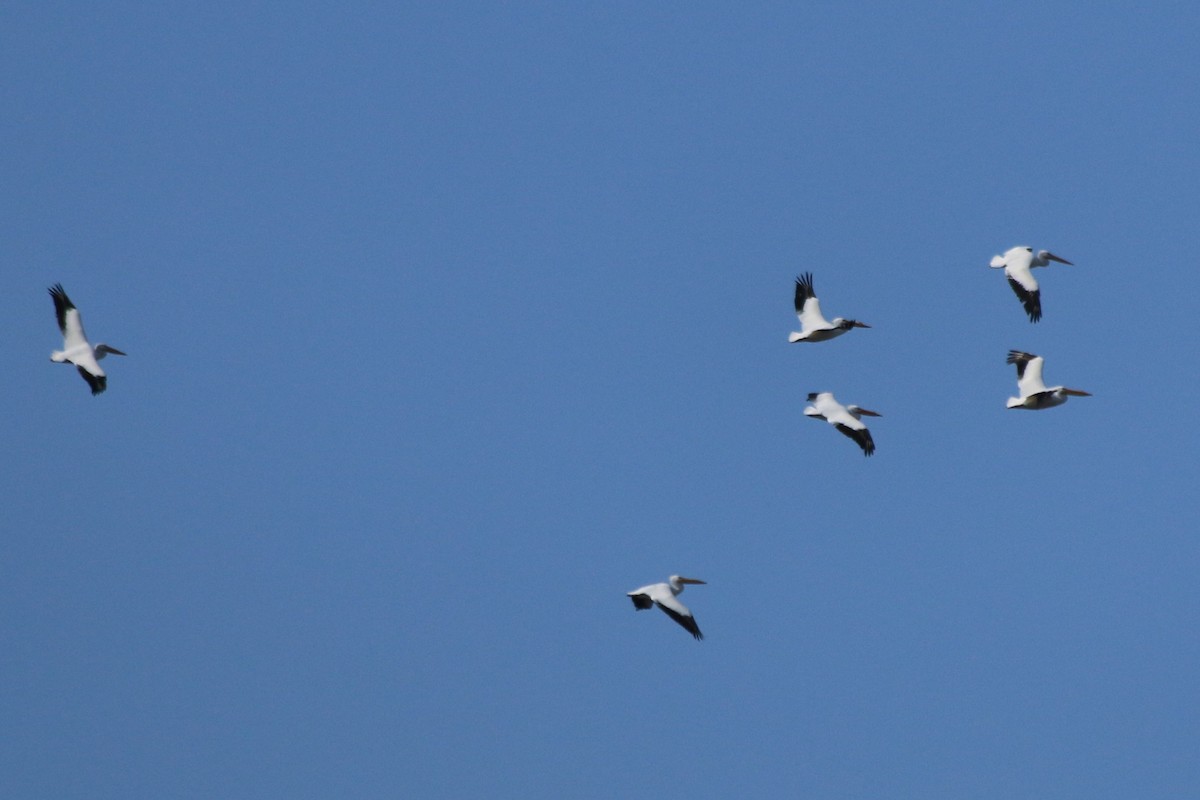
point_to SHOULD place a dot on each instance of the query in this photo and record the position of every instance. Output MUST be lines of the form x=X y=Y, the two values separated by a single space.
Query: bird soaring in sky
x=663 y=595
x=1018 y=264
x=846 y=419
x=813 y=325
x=76 y=348
x=1034 y=394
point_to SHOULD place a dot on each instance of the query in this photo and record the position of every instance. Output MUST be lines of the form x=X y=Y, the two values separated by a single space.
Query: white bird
x=813 y=325
x=663 y=596
x=76 y=348
x=845 y=418
x=1018 y=264
x=1034 y=394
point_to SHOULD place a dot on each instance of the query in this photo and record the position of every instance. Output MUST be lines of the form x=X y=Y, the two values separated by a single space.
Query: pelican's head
x=1075 y=392
x=679 y=580
x=102 y=350
x=847 y=324
x=1045 y=257
x=863 y=412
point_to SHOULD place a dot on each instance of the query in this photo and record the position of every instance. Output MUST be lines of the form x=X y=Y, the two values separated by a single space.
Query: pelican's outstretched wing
x=69 y=321
x=1029 y=372
x=1025 y=287
x=680 y=613
x=808 y=308
x=861 y=436
x=98 y=382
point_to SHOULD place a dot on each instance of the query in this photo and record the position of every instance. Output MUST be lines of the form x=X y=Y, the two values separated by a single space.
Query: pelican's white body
x=77 y=349
x=813 y=325
x=664 y=595
x=1034 y=394
x=1018 y=264
x=847 y=419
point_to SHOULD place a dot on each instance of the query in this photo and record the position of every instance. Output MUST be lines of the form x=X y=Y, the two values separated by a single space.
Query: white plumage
x=1034 y=394
x=845 y=418
x=813 y=325
x=663 y=595
x=76 y=348
x=1018 y=264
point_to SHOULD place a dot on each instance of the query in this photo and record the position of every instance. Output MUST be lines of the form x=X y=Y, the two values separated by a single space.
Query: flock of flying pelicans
x=1018 y=264
x=1033 y=394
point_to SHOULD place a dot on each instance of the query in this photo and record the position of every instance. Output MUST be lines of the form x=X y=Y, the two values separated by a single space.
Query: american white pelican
x=663 y=596
x=813 y=325
x=845 y=418
x=1018 y=264
x=1034 y=394
x=76 y=348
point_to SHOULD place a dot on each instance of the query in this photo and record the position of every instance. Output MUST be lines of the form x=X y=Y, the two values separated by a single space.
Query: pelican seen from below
x=77 y=349
x=1018 y=264
x=813 y=325
x=663 y=595
x=847 y=419
x=1034 y=394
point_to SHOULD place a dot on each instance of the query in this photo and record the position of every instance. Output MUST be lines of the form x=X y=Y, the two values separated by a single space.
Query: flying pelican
x=1034 y=394
x=76 y=348
x=663 y=596
x=1018 y=264
x=846 y=419
x=814 y=326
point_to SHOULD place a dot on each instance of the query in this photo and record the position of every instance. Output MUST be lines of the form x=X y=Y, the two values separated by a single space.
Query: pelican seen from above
x=1018 y=264
x=663 y=595
x=1034 y=394
x=77 y=349
x=847 y=419
x=813 y=325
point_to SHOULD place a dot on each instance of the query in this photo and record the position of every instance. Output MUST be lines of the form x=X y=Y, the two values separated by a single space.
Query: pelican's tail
x=794 y=337
x=1015 y=402
x=997 y=262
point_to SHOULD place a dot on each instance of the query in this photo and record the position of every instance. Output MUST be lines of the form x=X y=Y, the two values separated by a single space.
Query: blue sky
x=449 y=324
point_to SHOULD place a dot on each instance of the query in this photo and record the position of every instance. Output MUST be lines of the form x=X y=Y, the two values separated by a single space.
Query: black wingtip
x=861 y=437
x=98 y=383
x=62 y=304
x=1020 y=358
x=641 y=602
x=1030 y=301
x=804 y=290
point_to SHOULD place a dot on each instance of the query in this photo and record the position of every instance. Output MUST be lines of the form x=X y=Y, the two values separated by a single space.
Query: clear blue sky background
x=448 y=324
